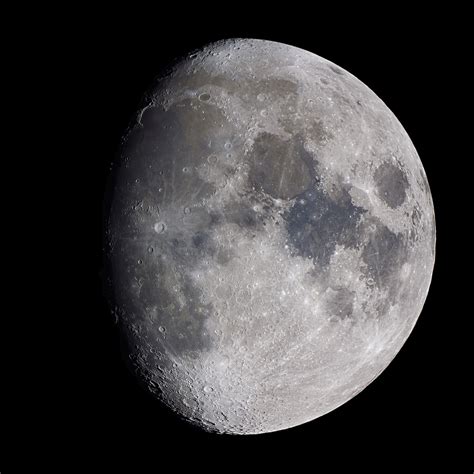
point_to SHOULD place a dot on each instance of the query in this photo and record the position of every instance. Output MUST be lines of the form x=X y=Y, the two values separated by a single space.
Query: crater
x=416 y=225
x=391 y=184
x=336 y=70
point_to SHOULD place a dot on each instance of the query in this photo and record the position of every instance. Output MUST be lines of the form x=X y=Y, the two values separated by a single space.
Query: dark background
x=99 y=412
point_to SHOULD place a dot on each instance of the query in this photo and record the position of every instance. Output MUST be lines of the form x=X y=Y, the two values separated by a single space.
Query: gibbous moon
x=271 y=237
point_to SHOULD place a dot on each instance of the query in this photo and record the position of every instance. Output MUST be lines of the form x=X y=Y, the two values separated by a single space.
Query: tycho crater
x=271 y=237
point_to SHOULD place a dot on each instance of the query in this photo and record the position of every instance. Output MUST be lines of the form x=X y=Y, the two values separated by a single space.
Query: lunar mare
x=271 y=237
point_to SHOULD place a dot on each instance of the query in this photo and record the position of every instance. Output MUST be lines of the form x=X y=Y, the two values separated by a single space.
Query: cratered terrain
x=271 y=237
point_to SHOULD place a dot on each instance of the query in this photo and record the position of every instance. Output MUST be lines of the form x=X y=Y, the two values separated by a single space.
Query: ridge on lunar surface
x=271 y=237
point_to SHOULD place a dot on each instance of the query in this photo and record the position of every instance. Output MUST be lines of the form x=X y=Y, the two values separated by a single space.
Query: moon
x=271 y=237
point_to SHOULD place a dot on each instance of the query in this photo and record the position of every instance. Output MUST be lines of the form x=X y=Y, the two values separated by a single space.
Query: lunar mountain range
x=271 y=237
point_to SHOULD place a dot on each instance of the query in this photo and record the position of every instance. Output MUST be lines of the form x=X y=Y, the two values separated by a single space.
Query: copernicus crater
x=271 y=237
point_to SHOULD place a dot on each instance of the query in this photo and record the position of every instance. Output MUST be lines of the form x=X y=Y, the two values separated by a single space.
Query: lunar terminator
x=271 y=237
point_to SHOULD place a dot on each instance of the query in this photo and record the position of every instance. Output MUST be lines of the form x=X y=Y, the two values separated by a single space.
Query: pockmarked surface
x=271 y=237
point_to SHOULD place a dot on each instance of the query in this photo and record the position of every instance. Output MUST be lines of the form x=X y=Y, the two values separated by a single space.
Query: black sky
x=99 y=411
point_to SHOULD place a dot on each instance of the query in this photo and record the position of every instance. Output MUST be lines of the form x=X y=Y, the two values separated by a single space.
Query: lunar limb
x=271 y=237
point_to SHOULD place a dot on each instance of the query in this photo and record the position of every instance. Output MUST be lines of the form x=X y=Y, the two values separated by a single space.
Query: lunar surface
x=271 y=237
